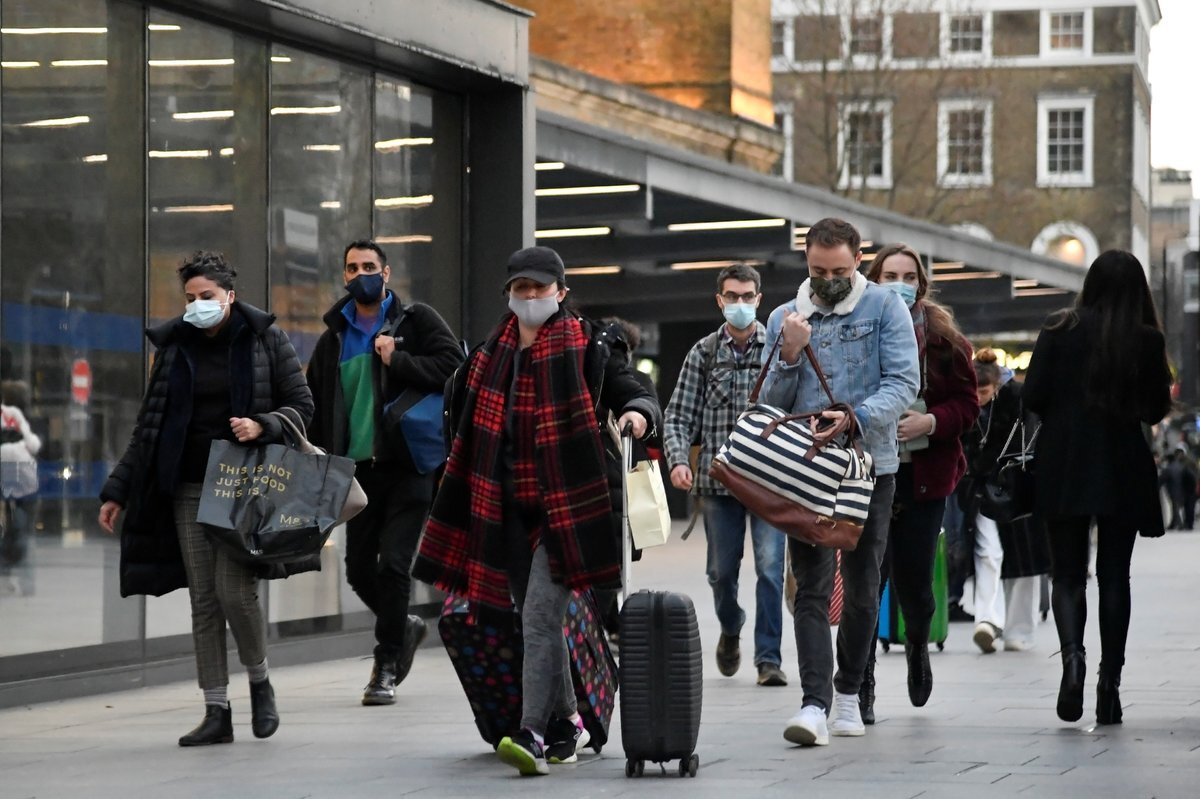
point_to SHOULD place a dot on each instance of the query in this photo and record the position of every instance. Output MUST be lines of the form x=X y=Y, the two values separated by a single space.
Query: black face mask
x=366 y=289
x=832 y=290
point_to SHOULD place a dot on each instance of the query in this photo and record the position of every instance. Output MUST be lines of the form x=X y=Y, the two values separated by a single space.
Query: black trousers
x=1114 y=551
x=380 y=545
x=912 y=545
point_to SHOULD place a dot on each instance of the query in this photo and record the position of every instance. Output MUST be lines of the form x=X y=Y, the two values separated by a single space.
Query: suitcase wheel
x=634 y=768
x=688 y=766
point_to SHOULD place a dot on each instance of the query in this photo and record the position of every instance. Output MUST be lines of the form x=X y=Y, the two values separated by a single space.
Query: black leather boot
x=414 y=634
x=920 y=675
x=381 y=690
x=1070 y=691
x=216 y=728
x=264 y=718
x=1108 y=697
x=866 y=691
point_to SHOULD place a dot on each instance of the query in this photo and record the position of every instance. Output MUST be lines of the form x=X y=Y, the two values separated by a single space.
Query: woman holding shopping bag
x=220 y=370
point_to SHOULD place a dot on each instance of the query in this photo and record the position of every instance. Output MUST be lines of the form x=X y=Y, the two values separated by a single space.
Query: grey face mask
x=832 y=290
x=535 y=312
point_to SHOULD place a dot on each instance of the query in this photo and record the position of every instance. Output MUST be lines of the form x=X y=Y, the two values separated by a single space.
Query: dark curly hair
x=211 y=265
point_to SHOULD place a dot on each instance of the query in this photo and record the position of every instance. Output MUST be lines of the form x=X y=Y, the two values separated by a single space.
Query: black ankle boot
x=216 y=728
x=1070 y=691
x=920 y=676
x=381 y=690
x=1108 y=697
x=866 y=691
x=264 y=718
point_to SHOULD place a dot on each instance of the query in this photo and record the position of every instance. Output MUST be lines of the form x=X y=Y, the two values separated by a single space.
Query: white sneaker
x=808 y=728
x=846 y=719
x=1017 y=645
x=985 y=637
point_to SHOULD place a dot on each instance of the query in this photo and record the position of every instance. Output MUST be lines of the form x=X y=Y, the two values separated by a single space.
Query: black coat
x=1090 y=462
x=426 y=355
x=265 y=375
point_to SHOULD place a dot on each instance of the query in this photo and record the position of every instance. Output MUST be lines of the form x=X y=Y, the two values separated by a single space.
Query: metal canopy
x=608 y=202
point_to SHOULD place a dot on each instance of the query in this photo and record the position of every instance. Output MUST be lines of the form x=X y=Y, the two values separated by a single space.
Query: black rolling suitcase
x=661 y=675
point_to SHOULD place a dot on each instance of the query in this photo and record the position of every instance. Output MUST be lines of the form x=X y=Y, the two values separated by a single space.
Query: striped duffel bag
x=818 y=491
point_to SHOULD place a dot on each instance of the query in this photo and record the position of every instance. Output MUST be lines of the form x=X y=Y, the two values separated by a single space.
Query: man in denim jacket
x=863 y=338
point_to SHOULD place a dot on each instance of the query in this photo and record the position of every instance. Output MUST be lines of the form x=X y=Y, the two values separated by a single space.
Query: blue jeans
x=725 y=529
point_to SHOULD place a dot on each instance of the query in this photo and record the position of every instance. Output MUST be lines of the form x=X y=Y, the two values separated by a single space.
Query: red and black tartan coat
x=449 y=555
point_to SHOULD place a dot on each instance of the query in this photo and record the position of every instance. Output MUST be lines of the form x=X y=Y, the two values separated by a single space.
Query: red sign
x=81 y=381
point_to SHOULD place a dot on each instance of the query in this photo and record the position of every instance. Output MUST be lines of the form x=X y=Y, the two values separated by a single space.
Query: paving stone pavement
x=988 y=731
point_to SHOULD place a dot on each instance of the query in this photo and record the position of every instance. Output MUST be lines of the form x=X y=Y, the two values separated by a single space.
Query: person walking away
x=375 y=348
x=1098 y=375
x=863 y=338
x=931 y=462
x=221 y=370
x=19 y=447
x=524 y=511
x=1009 y=557
x=713 y=389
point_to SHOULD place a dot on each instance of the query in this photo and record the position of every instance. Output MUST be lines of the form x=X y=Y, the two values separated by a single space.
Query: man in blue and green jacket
x=375 y=350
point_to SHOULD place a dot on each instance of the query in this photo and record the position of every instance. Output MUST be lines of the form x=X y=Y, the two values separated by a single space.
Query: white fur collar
x=806 y=306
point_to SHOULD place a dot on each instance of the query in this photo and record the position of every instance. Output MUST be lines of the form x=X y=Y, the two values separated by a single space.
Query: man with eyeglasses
x=376 y=349
x=713 y=389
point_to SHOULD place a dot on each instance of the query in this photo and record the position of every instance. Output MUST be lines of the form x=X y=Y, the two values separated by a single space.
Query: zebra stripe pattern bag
x=817 y=492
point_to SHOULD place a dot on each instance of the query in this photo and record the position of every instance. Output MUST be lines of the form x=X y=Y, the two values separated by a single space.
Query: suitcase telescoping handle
x=626 y=535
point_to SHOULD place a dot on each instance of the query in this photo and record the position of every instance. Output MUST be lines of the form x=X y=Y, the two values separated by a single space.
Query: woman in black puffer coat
x=219 y=372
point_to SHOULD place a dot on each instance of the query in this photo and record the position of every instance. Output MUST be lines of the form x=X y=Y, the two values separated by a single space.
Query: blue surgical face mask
x=204 y=313
x=739 y=314
x=366 y=289
x=906 y=291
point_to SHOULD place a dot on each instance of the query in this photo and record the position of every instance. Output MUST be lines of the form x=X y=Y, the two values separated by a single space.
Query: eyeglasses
x=749 y=296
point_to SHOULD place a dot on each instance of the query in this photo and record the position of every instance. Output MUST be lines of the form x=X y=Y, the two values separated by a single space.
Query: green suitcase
x=889 y=609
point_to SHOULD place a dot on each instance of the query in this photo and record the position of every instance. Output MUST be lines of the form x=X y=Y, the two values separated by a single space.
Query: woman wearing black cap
x=524 y=511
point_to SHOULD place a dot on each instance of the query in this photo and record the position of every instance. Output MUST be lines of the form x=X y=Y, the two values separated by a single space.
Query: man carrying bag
x=378 y=359
x=862 y=336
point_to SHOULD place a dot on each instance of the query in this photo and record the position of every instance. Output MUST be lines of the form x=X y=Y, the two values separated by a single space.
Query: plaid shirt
x=705 y=407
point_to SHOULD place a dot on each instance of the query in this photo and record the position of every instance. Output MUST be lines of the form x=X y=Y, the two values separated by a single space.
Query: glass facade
x=129 y=138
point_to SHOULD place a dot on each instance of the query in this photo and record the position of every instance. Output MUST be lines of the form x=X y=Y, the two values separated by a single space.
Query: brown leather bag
x=818 y=492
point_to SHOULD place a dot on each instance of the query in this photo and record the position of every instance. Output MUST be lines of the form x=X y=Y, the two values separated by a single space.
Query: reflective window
x=320 y=184
x=966 y=33
x=71 y=361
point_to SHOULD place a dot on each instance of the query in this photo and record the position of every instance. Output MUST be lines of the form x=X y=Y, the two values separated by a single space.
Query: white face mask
x=204 y=313
x=534 y=312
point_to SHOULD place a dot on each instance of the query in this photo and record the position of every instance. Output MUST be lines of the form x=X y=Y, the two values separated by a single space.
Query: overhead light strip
x=197 y=209
x=945 y=266
x=396 y=144
x=187 y=116
x=404 y=202
x=80 y=62
x=48 y=31
x=581 y=191
x=323 y=148
x=687 y=266
x=61 y=122
x=968 y=276
x=593 y=270
x=549 y=166
x=572 y=232
x=731 y=224
x=415 y=238
x=1042 y=292
x=191 y=62
x=305 y=110
x=20 y=64
x=180 y=153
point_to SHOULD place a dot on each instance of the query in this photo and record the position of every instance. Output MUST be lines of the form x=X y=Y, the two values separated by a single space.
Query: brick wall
x=713 y=55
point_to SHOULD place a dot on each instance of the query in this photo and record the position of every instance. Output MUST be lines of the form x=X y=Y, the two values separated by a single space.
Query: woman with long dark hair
x=931 y=461
x=1098 y=374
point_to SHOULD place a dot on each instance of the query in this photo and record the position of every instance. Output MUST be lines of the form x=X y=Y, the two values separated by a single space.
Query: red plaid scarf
x=463 y=548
